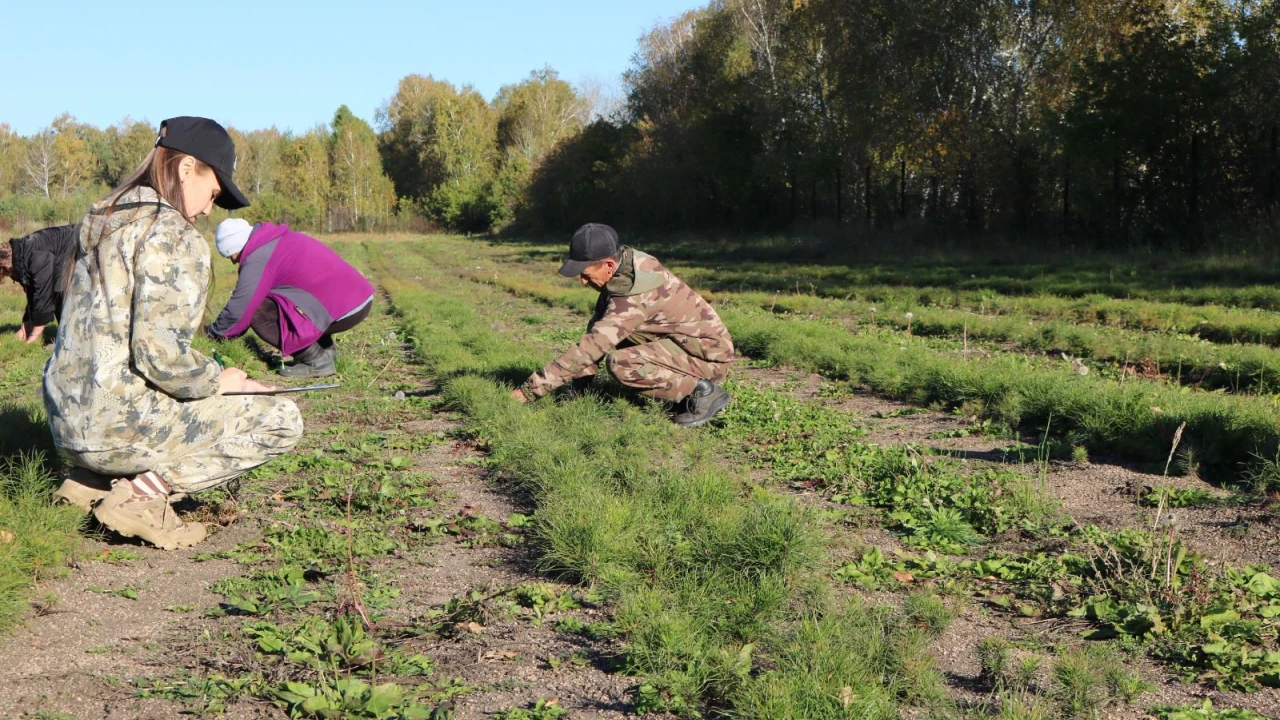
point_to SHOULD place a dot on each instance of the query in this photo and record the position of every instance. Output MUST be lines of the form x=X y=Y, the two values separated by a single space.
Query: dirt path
x=129 y=617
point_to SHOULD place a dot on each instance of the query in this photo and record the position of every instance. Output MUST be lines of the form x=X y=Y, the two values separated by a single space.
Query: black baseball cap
x=590 y=243
x=208 y=142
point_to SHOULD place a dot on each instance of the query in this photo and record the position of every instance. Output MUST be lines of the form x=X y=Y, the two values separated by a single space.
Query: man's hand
x=22 y=332
x=33 y=335
x=518 y=396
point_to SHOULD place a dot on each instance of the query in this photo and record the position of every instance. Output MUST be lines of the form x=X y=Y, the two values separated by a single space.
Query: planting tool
x=281 y=391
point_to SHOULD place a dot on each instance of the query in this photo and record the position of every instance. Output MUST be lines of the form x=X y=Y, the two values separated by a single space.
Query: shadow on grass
x=264 y=352
x=23 y=430
x=513 y=375
x=46 y=339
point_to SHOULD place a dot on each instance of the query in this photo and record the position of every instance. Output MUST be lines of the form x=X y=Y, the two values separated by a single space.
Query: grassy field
x=915 y=507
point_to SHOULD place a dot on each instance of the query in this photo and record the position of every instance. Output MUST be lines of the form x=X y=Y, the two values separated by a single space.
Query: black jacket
x=40 y=266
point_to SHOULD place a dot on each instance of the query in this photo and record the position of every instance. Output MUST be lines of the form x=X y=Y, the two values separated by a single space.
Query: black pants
x=266 y=323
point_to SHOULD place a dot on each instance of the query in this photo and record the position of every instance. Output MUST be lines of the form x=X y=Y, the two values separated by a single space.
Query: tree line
x=1112 y=121
x=442 y=156
x=329 y=178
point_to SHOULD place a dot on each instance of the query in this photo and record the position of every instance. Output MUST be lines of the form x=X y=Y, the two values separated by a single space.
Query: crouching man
x=655 y=334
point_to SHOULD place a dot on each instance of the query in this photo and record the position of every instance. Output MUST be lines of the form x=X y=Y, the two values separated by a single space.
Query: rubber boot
x=705 y=402
x=312 y=362
x=147 y=517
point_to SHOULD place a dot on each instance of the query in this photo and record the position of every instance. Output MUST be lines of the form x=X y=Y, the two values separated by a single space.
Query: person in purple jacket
x=293 y=290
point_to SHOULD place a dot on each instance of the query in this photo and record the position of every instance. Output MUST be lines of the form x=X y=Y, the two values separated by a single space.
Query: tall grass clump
x=719 y=589
x=36 y=538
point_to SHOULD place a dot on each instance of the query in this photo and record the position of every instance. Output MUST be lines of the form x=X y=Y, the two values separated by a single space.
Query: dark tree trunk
x=839 y=193
x=1193 y=196
x=902 y=188
x=1021 y=193
x=793 y=194
x=1066 y=198
x=972 y=217
x=866 y=190
x=813 y=197
x=1272 y=173
x=1115 y=195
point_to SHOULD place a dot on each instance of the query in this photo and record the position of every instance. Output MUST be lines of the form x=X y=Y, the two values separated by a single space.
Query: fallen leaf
x=1156 y=410
x=475 y=627
x=903 y=576
x=846 y=696
x=6 y=537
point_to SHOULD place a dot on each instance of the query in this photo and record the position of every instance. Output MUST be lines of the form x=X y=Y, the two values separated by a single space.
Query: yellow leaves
x=847 y=697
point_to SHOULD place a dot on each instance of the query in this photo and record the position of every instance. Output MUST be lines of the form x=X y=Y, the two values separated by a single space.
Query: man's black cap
x=208 y=142
x=590 y=243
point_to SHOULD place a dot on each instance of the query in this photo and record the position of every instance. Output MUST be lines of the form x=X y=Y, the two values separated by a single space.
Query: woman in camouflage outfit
x=137 y=411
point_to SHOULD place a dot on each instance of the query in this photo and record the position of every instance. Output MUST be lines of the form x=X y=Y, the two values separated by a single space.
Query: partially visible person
x=138 y=412
x=656 y=335
x=294 y=291
x=38 y=262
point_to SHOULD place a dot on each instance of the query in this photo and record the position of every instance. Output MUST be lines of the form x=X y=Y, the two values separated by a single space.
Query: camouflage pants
x=212 y=441
x=662 y=370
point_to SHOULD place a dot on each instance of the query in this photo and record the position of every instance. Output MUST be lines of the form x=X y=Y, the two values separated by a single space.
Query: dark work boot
x=705 y=402
x=312 y=362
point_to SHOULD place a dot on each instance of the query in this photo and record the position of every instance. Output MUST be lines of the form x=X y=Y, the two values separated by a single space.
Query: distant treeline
x=1110 y=121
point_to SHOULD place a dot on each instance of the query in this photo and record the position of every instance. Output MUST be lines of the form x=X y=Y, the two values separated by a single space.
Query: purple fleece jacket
x=302 y=275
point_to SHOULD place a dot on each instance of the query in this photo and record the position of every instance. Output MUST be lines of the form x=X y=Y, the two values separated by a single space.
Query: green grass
x=37 y=538
x=42 y=536
x=719 y=588
x=939 y=509
x=1133 y=420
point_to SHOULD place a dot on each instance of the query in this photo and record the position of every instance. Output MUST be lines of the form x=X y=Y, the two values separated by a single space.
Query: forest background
x=1111 y=124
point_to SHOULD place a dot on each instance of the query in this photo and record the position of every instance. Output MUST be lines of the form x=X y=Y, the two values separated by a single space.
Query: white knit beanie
x=232 y=235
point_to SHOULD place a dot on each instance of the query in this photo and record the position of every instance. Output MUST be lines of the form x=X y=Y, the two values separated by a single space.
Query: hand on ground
x=29 y=334
x=518 y=395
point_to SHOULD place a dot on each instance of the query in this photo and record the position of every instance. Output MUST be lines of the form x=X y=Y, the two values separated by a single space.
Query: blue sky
x=290 y=63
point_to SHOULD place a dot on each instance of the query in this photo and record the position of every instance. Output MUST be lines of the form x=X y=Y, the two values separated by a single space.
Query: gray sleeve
x=242 y=297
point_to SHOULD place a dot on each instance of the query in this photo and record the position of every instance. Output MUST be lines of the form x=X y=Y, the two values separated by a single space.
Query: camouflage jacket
x=123 y=358
x=642 y=300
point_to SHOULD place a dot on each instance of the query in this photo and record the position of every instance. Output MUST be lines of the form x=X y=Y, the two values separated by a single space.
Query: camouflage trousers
x=212 y=441
x=661 y=369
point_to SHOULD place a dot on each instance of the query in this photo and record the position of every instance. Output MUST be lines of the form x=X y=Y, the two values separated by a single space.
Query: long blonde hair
x=158 y=171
